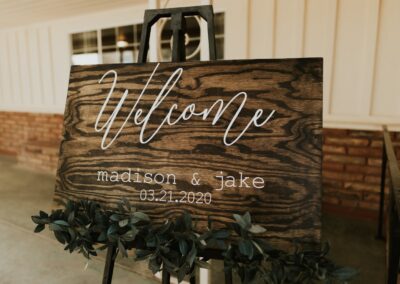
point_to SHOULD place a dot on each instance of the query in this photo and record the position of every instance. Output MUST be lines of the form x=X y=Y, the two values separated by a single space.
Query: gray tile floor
x=38 y=258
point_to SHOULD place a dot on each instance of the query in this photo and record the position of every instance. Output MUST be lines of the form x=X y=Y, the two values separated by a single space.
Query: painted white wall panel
x=236 y=27
x=5 y=84
x=319 y=39
x=46 y=66
x=24 y=66
x=354 y=57
x=34 y=67
x=386 y=92
x=14 y=64
x=289 y=28
x=262 y=28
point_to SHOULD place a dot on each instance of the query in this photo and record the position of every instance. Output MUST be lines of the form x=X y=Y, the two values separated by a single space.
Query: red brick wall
x=352 y=167
x=32 y=138
x=351 y=163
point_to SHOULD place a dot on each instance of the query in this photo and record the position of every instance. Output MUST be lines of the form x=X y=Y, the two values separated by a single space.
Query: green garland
x=86 y=227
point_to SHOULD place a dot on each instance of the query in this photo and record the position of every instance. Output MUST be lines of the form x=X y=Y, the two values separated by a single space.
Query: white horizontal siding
x=359 y=40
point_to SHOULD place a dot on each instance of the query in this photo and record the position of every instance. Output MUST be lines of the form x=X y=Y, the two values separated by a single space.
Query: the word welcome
x=188 y=112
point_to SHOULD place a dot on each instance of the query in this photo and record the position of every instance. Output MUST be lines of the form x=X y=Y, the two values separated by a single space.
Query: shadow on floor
x=353 y=244
x=37 y=258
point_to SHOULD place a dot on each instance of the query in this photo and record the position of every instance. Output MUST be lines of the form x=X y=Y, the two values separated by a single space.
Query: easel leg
x=228 y=276
x=379 y=234
x=109 y=265
x=166 y=277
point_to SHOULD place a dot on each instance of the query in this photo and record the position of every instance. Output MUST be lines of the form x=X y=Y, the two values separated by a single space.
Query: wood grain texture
x=286 y=152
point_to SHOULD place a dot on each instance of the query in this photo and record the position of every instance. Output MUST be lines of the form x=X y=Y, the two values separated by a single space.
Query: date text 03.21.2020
x=169 y=196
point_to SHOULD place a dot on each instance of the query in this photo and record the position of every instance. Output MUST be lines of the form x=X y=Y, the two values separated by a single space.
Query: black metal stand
x=379 y=233
x=390 y=164
x=109 y=265
x=178 y=26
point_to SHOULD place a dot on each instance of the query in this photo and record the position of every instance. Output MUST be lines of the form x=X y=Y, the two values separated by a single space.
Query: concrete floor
x=37 y=258
x=353 y=244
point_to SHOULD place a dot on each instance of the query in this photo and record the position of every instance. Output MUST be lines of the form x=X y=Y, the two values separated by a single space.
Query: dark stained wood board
x=285 y=152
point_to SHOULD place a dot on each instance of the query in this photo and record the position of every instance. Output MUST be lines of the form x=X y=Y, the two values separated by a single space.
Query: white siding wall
x=359 y=40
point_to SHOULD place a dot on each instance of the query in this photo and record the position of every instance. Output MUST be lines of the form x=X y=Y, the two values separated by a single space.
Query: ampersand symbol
x=195 y=179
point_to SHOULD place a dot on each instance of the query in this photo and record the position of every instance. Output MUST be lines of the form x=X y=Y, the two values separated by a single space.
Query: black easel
x=178 y=26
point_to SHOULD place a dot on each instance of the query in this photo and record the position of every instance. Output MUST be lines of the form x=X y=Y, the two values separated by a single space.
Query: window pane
x=84 y=42
x=193 y=50
x=109 y=47
x=108 y=37
x=193 y=27
x=90 y=40
x=165 y=51
x=125 y=36
x=85 y=59
x=127 y=56
x=77 y=42
x=110 y=55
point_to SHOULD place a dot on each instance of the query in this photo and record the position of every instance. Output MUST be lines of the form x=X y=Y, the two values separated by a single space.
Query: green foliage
x=86 y=227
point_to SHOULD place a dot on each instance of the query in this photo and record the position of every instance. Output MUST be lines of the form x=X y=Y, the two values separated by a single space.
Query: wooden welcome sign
x=212 y=138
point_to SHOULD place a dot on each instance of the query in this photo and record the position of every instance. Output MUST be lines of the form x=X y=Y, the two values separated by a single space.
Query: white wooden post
x=204 y=51
x=153 y=42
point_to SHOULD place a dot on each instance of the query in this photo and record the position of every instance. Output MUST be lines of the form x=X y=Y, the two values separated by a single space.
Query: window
x=113 y=45
x=85 y=48
x=121 y=44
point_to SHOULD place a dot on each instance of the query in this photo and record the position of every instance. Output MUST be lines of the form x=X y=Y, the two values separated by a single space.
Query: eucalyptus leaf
x=71 y=217
x=115 y=217
x=38 y=220
x=140 y=216
x=102 y=237
x=242 y=222
x=60 y=237
x=187 y=220
x=191 y=256
x=61 y=223
x=183 y=247
x=55 y=227
x=345 y=273
x=142 y=254
x=257 y=229
x=112 y=229
x=181 y=274
x=130 y=235
x=247 y=218
x=127 y=204
x=123 y=223
x=39 y=228
x=221 y=234
x=122 y=249
x=154 y=265
x=246 y=248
